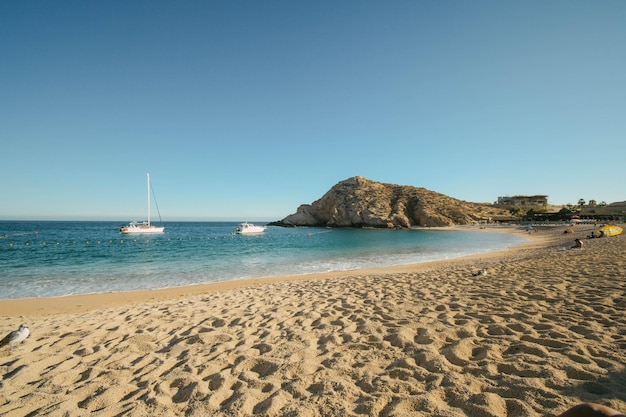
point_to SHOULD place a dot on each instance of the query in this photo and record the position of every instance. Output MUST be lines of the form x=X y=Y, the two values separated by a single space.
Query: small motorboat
x=246 y=228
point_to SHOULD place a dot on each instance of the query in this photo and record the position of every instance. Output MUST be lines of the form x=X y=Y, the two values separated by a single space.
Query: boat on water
x=144 y=227
x=246 y=228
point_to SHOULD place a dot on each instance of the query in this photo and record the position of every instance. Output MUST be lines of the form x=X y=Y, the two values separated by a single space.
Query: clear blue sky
x=243 y=110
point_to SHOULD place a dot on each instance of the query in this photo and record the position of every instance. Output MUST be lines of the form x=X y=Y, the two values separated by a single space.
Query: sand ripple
x=543 y=330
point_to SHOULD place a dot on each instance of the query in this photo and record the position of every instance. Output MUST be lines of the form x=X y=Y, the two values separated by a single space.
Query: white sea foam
x=90 y=257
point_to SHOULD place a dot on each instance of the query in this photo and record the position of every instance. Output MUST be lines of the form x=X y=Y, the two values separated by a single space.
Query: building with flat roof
x=523 y=200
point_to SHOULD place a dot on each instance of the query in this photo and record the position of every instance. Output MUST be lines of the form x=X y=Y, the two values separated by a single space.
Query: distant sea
x=50 y=258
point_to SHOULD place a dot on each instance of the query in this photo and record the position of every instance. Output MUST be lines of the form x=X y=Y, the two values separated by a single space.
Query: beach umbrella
x=609 y=231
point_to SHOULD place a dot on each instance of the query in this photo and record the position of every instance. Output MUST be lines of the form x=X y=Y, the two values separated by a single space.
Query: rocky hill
x=359 y=202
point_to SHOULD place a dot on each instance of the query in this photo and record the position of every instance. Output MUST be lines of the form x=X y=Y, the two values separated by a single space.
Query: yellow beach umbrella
x=609 y=231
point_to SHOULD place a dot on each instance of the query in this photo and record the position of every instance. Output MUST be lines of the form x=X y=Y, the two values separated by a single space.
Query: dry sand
x=544 y=330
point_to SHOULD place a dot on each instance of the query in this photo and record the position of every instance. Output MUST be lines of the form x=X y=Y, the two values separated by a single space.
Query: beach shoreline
x=540 y=331
x=64 y=263
x=42 y=306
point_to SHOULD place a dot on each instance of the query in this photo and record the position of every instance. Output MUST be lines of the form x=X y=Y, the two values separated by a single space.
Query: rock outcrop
x=359 y=202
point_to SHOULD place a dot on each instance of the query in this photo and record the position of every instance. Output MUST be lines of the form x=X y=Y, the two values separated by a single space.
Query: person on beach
x=591 y=410
x=578 y=244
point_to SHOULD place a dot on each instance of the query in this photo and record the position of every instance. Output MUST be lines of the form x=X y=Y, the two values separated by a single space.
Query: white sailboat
x=145 y=227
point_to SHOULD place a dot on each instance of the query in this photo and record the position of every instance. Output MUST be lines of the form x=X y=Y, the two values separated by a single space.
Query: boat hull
x=128 y=230
x=251 y=232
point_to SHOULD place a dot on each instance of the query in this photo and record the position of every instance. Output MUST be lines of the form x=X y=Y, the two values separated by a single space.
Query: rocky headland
x=359 y=202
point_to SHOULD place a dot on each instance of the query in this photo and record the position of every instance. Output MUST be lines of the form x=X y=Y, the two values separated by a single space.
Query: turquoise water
x=46 y=259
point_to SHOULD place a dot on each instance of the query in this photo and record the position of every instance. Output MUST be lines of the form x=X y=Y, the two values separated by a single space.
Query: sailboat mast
x=148 y=174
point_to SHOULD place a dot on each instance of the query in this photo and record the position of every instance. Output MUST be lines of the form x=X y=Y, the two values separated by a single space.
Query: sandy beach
x=543 y=330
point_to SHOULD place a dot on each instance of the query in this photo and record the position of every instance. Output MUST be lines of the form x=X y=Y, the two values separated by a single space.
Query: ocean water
x=48 y=259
